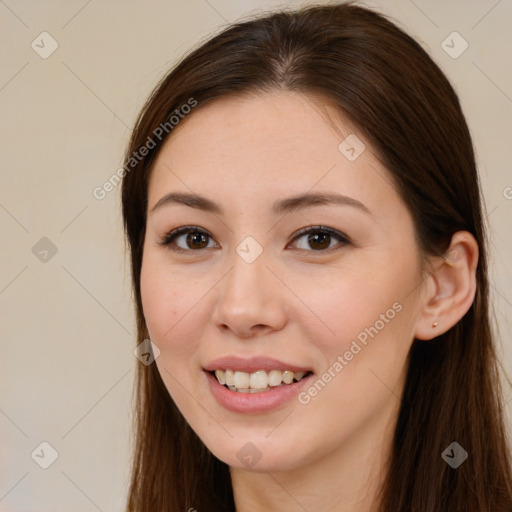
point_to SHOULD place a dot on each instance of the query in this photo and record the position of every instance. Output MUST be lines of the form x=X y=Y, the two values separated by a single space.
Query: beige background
x=66 y=365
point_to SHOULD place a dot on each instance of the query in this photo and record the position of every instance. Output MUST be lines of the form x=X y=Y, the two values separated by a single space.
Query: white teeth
x=257 y=381
x=229 y=377
x=220 y=376
x=275 y=378
x=241 y=380
x=287 y=377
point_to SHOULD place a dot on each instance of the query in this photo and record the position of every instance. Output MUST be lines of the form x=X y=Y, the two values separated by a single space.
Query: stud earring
x=434 y=324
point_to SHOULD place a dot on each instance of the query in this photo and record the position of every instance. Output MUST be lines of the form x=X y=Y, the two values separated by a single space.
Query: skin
x=295 y=302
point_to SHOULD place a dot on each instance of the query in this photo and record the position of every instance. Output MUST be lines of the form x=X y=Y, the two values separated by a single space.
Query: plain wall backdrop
x=67 y=322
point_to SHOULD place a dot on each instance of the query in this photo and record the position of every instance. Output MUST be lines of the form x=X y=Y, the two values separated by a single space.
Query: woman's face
x=252 y=295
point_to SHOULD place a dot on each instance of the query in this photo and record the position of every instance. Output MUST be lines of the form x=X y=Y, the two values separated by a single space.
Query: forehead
x=266 y=146
x=277 y=122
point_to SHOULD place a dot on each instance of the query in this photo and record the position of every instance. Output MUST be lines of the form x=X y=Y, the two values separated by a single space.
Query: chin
x=259 y=456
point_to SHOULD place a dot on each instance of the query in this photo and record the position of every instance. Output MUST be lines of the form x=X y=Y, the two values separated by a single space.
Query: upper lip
x=252 y=364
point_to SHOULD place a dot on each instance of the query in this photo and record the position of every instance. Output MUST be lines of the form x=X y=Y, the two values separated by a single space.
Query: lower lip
x=254 y=402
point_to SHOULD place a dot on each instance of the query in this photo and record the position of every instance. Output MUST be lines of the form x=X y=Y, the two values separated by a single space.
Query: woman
x=303 y=212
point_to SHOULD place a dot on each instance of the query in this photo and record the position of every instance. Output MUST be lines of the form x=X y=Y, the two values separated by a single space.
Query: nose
x=250 y=299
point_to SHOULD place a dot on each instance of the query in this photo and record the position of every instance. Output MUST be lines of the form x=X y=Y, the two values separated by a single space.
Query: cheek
x=160 y=305
x=339 y=306
x=171 y=317
x=167 y=306
x=362 y=327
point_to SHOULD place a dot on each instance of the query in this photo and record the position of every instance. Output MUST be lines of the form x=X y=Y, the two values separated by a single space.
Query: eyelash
x=167 y=239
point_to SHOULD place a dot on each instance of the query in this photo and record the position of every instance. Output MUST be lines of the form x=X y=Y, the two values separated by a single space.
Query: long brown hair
x=381 y=79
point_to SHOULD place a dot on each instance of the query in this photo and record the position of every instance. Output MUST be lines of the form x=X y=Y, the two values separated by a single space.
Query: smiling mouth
x=257 y=382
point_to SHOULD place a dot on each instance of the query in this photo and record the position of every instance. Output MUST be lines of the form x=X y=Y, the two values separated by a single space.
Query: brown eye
x=196 y=240
x=319 y=241
x=186 y=238
x=318 y=238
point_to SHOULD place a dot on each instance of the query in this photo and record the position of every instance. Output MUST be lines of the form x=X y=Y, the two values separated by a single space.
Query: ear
x=450 y=287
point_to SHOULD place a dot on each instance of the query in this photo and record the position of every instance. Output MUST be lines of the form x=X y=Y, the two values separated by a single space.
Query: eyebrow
x=282 y=206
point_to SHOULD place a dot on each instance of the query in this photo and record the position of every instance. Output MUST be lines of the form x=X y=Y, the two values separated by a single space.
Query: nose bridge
x=248 y=262
x=247 y=281
x=249 y=295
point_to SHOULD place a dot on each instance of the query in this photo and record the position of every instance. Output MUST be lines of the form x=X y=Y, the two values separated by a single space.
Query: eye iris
x=324 y=240
x=191 y=239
